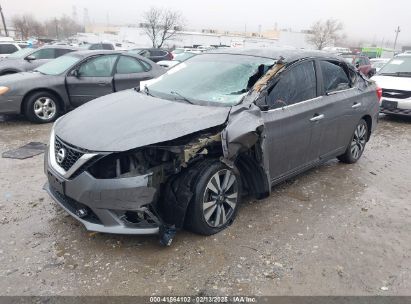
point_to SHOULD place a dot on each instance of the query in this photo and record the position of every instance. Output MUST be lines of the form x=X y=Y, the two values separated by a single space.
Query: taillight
x=170 y=56
x=379 y=93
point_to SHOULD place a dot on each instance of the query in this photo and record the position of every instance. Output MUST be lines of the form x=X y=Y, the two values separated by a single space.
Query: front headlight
x=3 y=90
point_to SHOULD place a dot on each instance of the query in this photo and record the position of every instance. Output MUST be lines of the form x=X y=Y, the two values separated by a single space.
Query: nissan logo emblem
x=61 y=155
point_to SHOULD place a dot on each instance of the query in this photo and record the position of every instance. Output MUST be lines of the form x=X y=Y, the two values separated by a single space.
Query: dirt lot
x=338 y=229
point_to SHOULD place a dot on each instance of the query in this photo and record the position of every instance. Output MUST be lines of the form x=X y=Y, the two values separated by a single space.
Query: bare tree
x=325 y=33
x=161 y=24
x=69 y=26
x=27 y=25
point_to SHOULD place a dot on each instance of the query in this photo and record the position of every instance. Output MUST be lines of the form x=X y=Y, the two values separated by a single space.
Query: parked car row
x=71 y=80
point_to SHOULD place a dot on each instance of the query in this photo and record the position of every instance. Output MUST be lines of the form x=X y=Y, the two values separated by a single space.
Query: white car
x=7 y=48
x=378 y=63
x=395 y=80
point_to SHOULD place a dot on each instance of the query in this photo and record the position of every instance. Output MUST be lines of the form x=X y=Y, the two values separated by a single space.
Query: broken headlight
x=133 y=163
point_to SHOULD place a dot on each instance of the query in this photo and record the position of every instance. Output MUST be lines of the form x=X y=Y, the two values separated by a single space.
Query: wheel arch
x=368 y=120
x=253 y=176
x=48 y=90
x=9 y=71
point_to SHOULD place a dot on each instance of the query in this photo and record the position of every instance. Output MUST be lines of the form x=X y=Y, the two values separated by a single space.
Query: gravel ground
x=335 y=230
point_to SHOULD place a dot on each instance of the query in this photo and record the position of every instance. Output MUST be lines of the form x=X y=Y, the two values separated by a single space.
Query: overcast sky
x=373 y=20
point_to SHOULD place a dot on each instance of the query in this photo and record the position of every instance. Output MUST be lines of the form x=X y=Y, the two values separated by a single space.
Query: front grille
x=396 y=94
x=73 y=206
x=72 y=155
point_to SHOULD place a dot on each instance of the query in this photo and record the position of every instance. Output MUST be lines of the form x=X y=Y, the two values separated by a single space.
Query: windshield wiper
x=147 y=91
x=398 y=74
x=39 y=72
x=182 y=97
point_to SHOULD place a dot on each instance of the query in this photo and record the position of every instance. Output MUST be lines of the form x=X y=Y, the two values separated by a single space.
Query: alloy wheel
x=220 y=198
x=358 y=141
x=45 y=108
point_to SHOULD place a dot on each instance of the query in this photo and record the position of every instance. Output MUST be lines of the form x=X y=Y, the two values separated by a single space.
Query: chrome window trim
x=340 y=91
x=294 y=104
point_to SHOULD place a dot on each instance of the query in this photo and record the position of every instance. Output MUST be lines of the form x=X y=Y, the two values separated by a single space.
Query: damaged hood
x=128 y=120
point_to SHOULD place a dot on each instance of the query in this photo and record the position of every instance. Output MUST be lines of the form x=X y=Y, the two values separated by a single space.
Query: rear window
x=157 y=53
x=334 y=77
x=7 y=48
x=61 y=52
x=108 y=46
x=128 y=65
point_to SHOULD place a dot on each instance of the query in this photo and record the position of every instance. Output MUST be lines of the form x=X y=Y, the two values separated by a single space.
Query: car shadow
x=396 y=118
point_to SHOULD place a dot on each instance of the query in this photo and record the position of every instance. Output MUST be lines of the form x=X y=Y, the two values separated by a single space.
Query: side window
x=334 y=77
x=147 y=67
x=44 y=54
x=96 y=46
x=101 y=66
x=7 y=48
x=145 y=53
x=128 y=65
x=61 y=52
x=295 y=85
x=107 y=46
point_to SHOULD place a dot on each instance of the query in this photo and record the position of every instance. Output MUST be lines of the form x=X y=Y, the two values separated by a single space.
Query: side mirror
x=264 y=107
x=75 y=73
x=261 y=103
x=357 y=65
x=30 y=58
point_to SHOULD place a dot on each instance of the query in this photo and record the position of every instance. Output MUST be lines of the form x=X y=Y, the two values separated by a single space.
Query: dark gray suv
x=192 y=142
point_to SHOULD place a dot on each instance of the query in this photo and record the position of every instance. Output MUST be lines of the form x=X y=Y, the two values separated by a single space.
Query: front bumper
x=106 y=201
x=395 y=106
x=10 y=104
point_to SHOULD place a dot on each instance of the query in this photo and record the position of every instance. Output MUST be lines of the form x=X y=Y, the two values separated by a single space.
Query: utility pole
x=57 y=28
x=397 y=31
x=4 y=22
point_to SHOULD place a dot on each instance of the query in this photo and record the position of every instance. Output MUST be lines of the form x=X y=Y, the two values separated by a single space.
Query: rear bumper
x=401 y=106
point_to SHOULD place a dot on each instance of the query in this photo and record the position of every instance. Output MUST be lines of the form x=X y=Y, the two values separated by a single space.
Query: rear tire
x=357 y=144
x=214 y=205
x=42 y=107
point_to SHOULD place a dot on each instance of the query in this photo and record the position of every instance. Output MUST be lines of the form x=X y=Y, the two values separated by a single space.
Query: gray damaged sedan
x=185 y=149
x=71 y=80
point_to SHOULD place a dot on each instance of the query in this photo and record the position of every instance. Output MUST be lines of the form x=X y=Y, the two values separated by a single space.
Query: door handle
x=102 y=83
x=317 y=117
x=356 y=105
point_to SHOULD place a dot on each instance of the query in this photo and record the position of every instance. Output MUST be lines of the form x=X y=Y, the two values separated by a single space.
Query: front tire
x=42 y=107
x=357 y=144
x=217 y=193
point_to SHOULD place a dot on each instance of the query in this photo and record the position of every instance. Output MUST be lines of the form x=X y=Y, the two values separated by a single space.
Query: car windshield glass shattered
x=20 y=53
x=397 y=65
x=215 y=79
x=58 y=66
